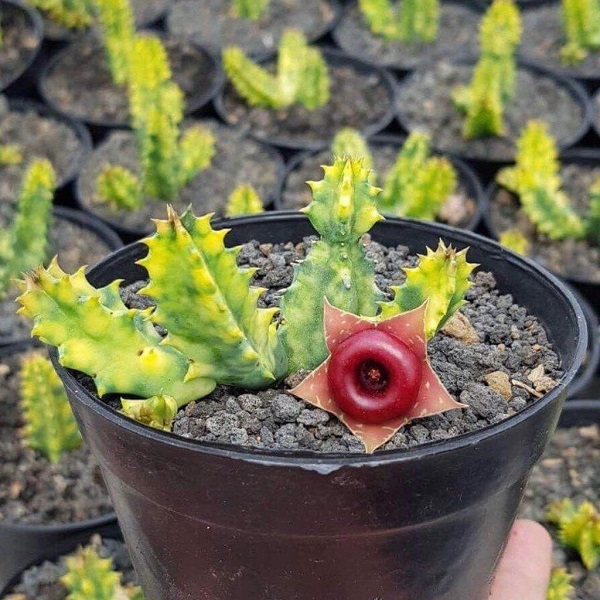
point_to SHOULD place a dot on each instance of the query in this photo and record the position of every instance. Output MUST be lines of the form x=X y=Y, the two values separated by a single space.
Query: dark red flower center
x=374 y=376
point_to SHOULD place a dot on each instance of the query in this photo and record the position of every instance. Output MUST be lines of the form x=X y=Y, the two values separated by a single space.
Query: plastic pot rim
x=38 y=26
x=81 y=131
x=575 y=89
x=337 y=57
x=197 y=101
x=114 y=223
x=329 y=462
x=465 y=173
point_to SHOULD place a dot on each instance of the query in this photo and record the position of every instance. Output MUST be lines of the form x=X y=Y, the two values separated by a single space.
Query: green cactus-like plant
x=535 y=179
x=302 y=75
x=244 y=200
x=169 y=159
x=89 y=576
x=442 y=276
x=10 y=154
x=50 y=426
x=514 y=240
x=249 y=9
x=409 y=21
x=579 y=528
x=581 y=20
x=349 y=143
x=493 y=84
x=418 y=185
x=118 y=32
x=72 y=14
x=343 y=209
x=24 y=245
x=561 y=585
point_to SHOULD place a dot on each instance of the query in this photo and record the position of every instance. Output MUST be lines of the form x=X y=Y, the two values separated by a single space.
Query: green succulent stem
x=350 y=143
x=72 y=14
x=411 y=21
x=302 y=75
x=561 y=585
x=24 y=245
x=250 y=9
x=581 y=20
x=483 y=101
x=343 y=210
x=50 y=426
x=535 y=179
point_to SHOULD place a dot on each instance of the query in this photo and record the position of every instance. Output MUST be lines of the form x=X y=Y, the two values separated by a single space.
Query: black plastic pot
x=131 y=235
x=589 y=369
x=466 y=175
x=23 y=545
x=379 y=61
x=487 y=167
x=22 y=82
x=99 y=128
x=325 y=27
x=586 y=156
x=107 y=235
x=63 y=193
x=333 y=58
x=580 y=413
x=226 y=523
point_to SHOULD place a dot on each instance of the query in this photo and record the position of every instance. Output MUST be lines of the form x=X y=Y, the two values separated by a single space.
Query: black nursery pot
x=22 y=82
x=226 y=523
x=85 y=221
x=99 y=128
x=23 y=545
x=466 y=176
x=64 y=192
x=585 y=156
x=487 y=166
x=334 y=58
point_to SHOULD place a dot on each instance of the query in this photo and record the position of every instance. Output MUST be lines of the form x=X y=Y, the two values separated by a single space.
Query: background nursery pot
x=225 y=523
x=585 y=157
x=18 y=76
x=22 y=545
x=468 y=181
x=234 y=111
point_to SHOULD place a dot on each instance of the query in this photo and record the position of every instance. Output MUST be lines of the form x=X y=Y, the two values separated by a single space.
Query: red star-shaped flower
x=378 y=376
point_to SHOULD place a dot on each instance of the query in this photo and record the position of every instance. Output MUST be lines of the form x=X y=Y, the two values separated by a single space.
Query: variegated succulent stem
x=10 y=154
x=535 y=179
x=561 y=585
x=244 y=200
x=493 y=85
x=50 y=426
x=344 y=208
x=441 y=278
x=302 y=75
x=349 y=143
x=24 y=245
x=72 y=14
x=581 y=20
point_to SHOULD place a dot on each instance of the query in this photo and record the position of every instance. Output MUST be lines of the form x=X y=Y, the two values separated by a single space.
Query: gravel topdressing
x=511 y=342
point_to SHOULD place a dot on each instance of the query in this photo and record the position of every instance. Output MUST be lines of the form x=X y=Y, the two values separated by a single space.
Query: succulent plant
x=579 y=528
x=493 y=84
x=244 y=200
x=24 y=245
x=514 y=240
x=118 y=32
x=249 y=9
x=89 y=576
x=581 y=20
x=350 y=143
x=418 y=185
x=50 y=426
x=214 y=333
x=10 y=154
x=344 y=208
x=561 y=585
x=302 y=75
x=169 y=159
x=408 y=20
x=535 y=179
x=593 y=216
x=72 y=14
